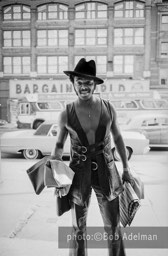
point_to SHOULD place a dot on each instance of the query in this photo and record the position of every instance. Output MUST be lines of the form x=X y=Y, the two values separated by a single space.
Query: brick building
x=41 y=38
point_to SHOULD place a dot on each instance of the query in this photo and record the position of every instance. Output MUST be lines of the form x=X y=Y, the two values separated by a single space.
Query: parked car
x=154 y=126
x=33 y=144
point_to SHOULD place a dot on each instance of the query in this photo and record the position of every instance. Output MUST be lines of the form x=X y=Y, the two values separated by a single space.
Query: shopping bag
x=57 y=174
x=36 y=175
x=62 y=205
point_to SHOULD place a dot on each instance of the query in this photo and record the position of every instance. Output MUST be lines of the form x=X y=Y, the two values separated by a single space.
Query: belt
x=83 y=152
x=83 y=157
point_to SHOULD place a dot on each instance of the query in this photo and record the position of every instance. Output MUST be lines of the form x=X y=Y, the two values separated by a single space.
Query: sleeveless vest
x=82 y=153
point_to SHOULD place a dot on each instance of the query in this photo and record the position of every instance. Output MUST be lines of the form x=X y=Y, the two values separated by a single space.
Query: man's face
x=84 y=87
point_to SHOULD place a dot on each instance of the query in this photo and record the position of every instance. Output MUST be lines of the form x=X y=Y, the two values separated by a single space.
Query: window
x=144 y=123
x=123 y=64
x=118 y=104
x=131 y=104
x=101 y=62
x=161 y=104
x=119 y=10
x=91 y=37
x=16 y=65
x=150 y=122
x=24 y=108
x=163 y=81
x=52 y=64
x=139 y=10
x=148 y=104
x=164 y=121
x=49 y=105
x=16 y=38
x=163 y=77
x=53 y=131
x=165 y=19
x=164 y=49
x=139 y=36
x=52 y=12
x=129 y=36
x=52 y=37
x=16 y=12
x=153 y=122
x=129 y=9
x=93 y=10
x=43 y=129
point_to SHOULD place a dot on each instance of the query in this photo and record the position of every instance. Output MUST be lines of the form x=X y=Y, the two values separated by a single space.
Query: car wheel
x=31 y=153
x=117 y=156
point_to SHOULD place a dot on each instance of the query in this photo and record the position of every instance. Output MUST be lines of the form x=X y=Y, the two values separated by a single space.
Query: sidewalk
x=29 y=225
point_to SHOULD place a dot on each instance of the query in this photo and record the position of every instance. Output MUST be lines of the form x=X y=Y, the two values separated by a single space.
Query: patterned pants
x=111 y=218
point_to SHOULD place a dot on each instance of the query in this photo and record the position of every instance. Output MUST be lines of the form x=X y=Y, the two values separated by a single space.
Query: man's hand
x=62 y=191
x=48 y=164
x=127 y=176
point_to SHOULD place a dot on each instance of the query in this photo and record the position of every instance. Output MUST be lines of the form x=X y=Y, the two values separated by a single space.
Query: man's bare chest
x=89 y=118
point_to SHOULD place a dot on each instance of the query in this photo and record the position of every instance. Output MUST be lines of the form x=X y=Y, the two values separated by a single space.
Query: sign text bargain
x=19 y=88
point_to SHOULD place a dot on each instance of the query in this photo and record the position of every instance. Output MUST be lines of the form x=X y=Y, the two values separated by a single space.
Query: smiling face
x=84 y=87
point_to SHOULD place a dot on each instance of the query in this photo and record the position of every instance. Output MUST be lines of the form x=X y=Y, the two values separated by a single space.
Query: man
x=89 y=122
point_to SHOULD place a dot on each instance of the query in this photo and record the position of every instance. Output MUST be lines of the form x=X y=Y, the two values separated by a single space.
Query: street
x=31 y=219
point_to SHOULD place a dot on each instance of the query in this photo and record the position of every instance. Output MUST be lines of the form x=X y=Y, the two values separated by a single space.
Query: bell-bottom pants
x=111 y=217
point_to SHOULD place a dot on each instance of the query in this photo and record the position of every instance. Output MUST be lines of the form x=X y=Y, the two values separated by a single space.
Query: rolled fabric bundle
x=129 y=204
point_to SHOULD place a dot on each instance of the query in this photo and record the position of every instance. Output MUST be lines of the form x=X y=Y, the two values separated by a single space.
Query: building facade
x=41 y=38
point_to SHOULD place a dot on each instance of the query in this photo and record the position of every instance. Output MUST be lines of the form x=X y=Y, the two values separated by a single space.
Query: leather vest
x=82 y=153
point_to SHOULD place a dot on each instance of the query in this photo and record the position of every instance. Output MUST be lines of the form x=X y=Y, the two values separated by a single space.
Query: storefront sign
x=20 y=88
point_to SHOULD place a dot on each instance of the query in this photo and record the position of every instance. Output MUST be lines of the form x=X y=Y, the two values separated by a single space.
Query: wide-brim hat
x=85 y=69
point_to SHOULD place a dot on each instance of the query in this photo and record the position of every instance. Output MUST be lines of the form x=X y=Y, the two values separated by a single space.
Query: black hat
x=86 y=70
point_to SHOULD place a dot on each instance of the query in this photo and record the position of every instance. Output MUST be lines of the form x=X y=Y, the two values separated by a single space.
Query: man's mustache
x=85 y=90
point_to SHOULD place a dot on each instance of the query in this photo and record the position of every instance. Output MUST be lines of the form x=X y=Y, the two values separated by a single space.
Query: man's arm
x=119 y=143
x=57 y=152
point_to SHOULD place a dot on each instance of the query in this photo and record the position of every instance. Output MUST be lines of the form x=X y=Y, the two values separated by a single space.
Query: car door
x=152 y=129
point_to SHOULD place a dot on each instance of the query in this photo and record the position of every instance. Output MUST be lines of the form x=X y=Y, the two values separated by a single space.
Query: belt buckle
x=95 y=166
x=84 y=149
x=83 y=158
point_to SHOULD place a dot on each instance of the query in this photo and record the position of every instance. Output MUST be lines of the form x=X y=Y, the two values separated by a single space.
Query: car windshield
x=49 y=105
x=130 y=104
x=117 y=104
x=154 y=104
x=148 y=104
x=43 y=129
x=161 y=104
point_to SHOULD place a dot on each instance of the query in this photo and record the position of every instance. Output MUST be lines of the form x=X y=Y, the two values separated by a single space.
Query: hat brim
x=73 y=73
